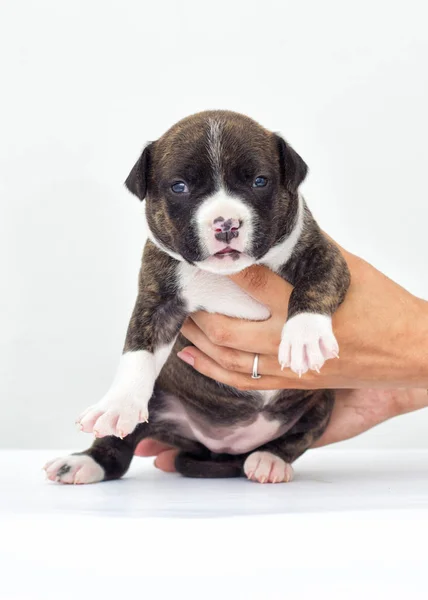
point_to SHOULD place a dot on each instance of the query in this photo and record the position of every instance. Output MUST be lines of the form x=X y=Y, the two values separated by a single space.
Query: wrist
x=409 y=400
x=417 y=346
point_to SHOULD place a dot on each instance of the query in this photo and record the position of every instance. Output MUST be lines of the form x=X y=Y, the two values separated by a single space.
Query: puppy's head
x=220 y=190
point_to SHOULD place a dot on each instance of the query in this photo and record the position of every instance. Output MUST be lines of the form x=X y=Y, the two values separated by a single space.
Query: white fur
x=217 y=294
x=83 y=469
x=278 y=255
x=307 y=341
x=267 y=395
x=223 y=204
x=265 y=467
x=161 y=355
x=214 y=145
x=126 y=403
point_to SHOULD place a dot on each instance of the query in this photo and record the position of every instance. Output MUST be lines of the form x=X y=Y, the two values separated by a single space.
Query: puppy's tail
x=217 y=466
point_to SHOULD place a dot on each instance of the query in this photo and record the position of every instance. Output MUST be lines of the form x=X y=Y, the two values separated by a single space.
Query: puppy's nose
x=226 y=229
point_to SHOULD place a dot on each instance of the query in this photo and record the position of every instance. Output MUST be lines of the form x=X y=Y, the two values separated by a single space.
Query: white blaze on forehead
x=214 y=145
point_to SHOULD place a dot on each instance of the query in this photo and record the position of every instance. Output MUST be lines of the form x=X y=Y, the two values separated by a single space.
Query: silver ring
x=255 y=374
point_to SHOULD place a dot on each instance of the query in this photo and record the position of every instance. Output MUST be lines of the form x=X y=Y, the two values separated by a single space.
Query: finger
x=166 y=461
x=150 y=448
x=264 y=285
x=249 y=336
x=229 y=358
x=207 y=366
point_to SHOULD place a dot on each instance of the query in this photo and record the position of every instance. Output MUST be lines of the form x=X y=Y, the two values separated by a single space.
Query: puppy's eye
x=179 y=187
x=260 y=182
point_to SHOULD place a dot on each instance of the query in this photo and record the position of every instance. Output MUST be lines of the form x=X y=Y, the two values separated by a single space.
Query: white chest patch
x=268 y=396
x=215 y=293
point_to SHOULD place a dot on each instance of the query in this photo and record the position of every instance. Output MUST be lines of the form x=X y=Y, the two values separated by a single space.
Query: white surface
x=351 y=525
x=325 y=481
x=85 y=84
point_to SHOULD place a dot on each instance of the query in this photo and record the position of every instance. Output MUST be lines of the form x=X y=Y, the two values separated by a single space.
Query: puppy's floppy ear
x=293 y=167
x=136 y=182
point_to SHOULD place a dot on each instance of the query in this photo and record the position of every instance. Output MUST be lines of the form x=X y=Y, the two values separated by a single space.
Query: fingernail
x=187 y=357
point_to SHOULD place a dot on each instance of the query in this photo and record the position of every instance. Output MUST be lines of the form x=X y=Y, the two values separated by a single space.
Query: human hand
x=355 y=411
x=381 y=328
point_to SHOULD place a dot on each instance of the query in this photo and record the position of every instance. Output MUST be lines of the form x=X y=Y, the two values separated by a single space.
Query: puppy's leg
x=321 y=279
x=109 y=457
x=156 y=320
x=203 y=465
x=271 y=463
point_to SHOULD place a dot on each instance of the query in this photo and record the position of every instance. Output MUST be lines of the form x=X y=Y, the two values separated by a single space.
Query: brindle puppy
x=221 y=194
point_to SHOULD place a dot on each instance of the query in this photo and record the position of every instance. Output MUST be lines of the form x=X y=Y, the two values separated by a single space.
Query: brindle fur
x=159 y=312
x=316 y=269
x=246 y=146
x=307 y=415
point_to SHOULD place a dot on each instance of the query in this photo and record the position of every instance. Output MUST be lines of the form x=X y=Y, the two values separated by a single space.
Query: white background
x=85 y=84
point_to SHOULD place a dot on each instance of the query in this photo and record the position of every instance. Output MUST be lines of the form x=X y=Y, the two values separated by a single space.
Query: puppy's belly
x=237 y=439
x=233 y=439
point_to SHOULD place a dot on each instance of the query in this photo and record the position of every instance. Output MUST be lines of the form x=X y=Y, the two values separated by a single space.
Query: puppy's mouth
x=226 y=261
x=228 y=251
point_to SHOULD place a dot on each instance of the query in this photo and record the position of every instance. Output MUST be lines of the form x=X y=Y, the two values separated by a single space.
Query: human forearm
x=382 y=331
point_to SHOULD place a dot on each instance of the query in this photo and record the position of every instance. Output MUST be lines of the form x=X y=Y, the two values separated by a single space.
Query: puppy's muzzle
x=225 y=230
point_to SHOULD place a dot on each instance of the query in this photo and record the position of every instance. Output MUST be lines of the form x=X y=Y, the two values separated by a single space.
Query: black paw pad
x=63 y=470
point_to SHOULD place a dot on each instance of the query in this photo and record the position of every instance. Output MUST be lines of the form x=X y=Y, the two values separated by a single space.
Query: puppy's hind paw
x=265 y=467
x=74 y=469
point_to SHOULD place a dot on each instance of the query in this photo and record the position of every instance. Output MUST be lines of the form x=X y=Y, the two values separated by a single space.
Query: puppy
x=221 y=195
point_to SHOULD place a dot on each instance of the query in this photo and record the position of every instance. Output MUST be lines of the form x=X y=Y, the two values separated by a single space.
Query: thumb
x=263 y=285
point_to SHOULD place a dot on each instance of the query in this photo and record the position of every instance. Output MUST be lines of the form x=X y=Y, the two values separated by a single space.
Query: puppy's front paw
x=126 y=403
x=118 y=413
x=307 y=341
x=75 y=469
x=265 y=467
